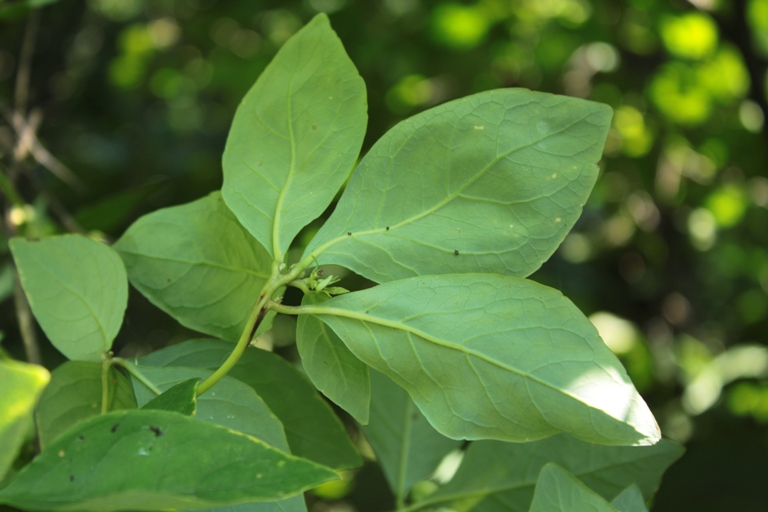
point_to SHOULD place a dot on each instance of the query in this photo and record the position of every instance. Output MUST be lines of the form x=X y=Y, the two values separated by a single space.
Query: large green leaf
x=330 y=365
x=20 y=387
x=77 y=290
x=630 y=500
x=492 y=357
x=198 y=264
x=406 y=445
x=488 y=183
x=295 y=137
x=181 y=398
x=234 y=405
x=500 y=477
x=312 y=429
x=230 y=403
x=155 y=460
x=75 y=395
x=559 y=491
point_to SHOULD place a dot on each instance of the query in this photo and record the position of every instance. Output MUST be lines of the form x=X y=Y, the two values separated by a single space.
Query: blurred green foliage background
x=123 y=107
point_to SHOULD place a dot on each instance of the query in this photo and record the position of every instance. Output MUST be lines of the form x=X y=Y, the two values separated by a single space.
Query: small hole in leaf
x=156 y=430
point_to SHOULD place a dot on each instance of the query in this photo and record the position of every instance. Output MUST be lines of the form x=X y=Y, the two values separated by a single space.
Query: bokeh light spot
x=692 y=35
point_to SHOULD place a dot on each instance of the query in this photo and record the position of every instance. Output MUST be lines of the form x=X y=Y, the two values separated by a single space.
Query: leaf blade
x=488 y=183
x=75 y=395
x=312 y=429
x=180 y=398
x=20 y=387
x=559 y=491
x=77 y=289
x=158 y=443
x=408 y=448
x=331 y=367
x=493 y=357
x=295 y=137
x=489 y=478
x=174 y=258
x=630 y=500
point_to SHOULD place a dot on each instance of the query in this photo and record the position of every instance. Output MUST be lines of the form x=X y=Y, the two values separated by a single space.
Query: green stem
x=254 y=320
x=301 y=285
x=259 y=311
x=106 y=366
x=136 y=373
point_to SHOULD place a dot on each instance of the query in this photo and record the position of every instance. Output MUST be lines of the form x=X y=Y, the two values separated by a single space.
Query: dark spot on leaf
x=314 y=127
x=71 y=478
x=387 y=228
x=261 y=164
x=33 y=239
x=81 y=438
x=456 y=252
x=349 y=233
x=114 y=428
x=156 y=430
x=320 y=272
x=168 y=279
x=415 y=416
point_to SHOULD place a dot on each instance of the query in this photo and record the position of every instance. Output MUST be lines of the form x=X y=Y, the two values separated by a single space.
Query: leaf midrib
x=198 y=263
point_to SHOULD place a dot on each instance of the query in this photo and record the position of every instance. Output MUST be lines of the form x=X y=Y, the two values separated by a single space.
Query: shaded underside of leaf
x=500 y=477
x=198 y=264
x=312 y=428
x=75 y=395
x=559 y=491
x=295 y=137
x=77 y=289
x=406 y=445
x=487 y=183
x=493 y=357
x=331 y=367
x=20 y=386
x=175 y=462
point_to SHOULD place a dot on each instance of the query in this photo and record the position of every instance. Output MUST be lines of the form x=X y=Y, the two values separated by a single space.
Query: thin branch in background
x=29 y=144
x=25 y=62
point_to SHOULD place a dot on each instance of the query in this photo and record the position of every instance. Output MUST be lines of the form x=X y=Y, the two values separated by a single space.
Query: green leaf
x=501 y=476
x=330 y=365
x=407 y=447
x=493 y=357
x=181 y=398
x=175 y=462
x=20 y=387
x=230 y=403
x=559 y=491
x=295 y=137
x=312 y=429
x=234 y=405
x=198 y=264
x=77 y=290
x=630 y=500
x=487 y=183
x=75 y=395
